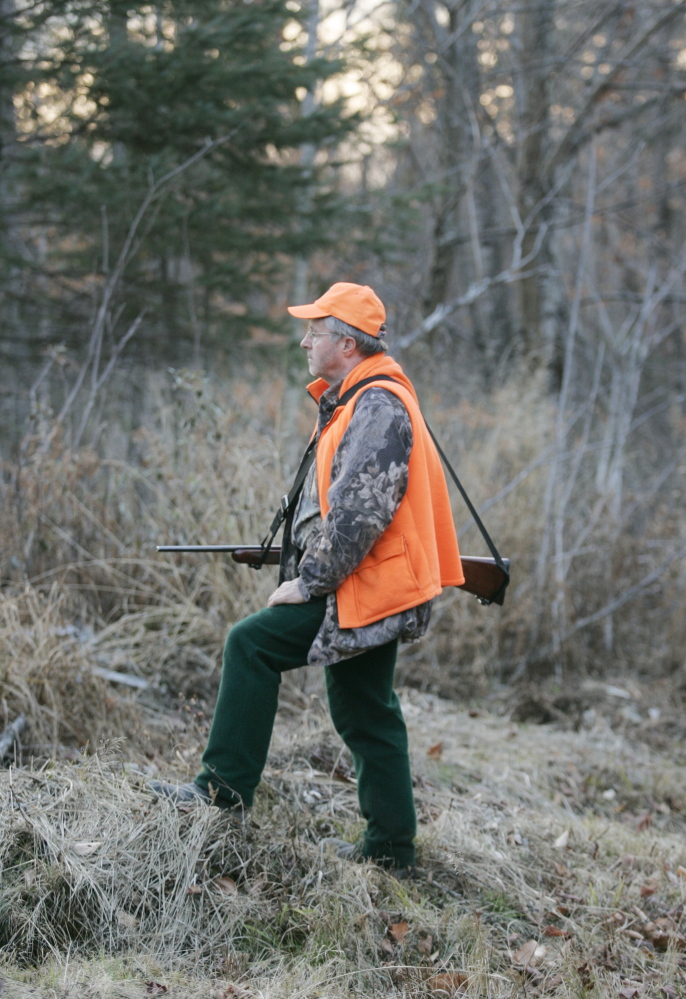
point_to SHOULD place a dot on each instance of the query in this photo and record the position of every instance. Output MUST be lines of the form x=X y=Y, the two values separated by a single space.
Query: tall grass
x=83 y=585
x=95 y=871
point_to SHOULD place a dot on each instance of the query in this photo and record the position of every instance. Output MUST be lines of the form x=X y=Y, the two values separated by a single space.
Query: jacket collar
x=377 y=364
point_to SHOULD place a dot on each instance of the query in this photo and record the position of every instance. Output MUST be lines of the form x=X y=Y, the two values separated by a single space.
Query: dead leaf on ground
x=156 y=988
x=562 y=841
x=562 y=871
x=425 y=945
x=194 y=890
x=669 y=992
x=435 y=751
x=662 y=933
x=386 y=946
x=644 y=822
x=529 y=954
x=234 y=992
x=681 y=871
x=649 y=888
x=450 y=983
x=126 y=919
x=555 y=931
x=399 y=930
x=585 y=974
x=86 y=849
x=226 y=885
x=628 y=993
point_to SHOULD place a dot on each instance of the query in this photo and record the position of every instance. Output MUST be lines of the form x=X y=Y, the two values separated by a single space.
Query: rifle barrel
x=208 y=548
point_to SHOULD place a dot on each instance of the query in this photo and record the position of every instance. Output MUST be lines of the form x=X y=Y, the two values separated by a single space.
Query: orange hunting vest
x=417 y=555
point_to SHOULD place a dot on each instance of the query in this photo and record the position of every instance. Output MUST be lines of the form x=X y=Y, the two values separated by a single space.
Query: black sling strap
x=288 y=501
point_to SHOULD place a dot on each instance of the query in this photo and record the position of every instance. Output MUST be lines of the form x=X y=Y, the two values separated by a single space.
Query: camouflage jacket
x=368 y=480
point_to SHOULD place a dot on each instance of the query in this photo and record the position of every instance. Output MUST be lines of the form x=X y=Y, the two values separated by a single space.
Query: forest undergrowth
x=552 y=812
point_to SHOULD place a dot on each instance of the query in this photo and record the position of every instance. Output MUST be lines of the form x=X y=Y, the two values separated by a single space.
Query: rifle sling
x=288 y=501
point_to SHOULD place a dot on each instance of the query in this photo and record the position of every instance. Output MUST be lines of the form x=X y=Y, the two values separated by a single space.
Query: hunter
x=367 y=547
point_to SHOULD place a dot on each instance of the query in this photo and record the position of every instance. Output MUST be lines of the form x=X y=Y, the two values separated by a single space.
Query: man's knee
x=239 y=642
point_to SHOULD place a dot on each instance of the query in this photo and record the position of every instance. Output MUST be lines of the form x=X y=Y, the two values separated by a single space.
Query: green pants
x=364 y=709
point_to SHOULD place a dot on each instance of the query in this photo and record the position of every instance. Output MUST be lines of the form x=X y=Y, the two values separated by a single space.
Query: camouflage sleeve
x=368 y=481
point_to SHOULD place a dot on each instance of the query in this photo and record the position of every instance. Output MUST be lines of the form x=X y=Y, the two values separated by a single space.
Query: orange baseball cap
x=355 y=304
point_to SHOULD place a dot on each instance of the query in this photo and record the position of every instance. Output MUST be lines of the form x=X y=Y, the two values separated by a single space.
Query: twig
x=11 y=735
x=126 y=254
x=599 y=615
x=127 y=679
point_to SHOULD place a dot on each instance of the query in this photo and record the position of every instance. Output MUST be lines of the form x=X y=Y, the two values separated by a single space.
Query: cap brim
x=307 y=312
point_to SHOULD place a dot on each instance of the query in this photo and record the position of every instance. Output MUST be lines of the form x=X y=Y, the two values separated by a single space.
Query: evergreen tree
x=111 y=97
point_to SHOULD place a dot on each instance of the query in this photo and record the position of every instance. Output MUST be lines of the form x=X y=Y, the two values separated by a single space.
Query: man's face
x=325 y=353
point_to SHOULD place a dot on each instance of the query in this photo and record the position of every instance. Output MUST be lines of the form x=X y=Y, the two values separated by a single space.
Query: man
x=369 y=544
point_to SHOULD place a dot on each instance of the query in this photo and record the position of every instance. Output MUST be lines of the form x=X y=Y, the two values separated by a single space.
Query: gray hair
x=366 y=344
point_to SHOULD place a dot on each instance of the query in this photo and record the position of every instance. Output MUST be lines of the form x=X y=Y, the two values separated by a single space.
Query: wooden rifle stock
x=483 y=577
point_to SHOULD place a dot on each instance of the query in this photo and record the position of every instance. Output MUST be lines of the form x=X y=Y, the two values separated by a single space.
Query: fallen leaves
x=234 y=992
x=628 y=993
x=226 y=885
x=436 y=751
x=156 y=988
x=562 y=841
x=529 y=954
x=555 y=931
x=426 y=945
x=448 y=983
x=649 y=888
x=399 y=930
x=662 y=933
x=87 y=849
x=644 y=822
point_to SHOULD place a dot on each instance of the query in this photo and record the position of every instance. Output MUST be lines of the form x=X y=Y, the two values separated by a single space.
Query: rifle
x=486 y=578
x=483 y=576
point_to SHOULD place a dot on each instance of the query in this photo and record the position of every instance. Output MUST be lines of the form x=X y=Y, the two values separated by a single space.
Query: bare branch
x=573 y=137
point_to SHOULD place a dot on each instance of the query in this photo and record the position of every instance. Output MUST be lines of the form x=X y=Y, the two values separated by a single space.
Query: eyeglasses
x=314 y=336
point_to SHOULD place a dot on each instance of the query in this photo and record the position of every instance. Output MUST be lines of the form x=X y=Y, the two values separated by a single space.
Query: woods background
x=509 y=178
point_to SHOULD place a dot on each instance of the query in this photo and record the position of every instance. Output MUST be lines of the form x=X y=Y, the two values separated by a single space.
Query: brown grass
x=82 y=588
x=93 y=865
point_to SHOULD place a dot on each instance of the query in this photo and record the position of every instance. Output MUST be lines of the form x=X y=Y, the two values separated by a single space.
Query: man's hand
x=287 y=593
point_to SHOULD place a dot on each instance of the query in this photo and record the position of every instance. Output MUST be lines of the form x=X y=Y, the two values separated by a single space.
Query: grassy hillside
x=550 y=863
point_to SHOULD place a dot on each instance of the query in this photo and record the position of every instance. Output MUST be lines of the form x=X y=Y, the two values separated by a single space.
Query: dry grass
x=106 y=888
x=82 y=589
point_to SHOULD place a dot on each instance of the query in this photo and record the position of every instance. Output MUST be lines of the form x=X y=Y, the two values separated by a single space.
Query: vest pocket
x=384 y=581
